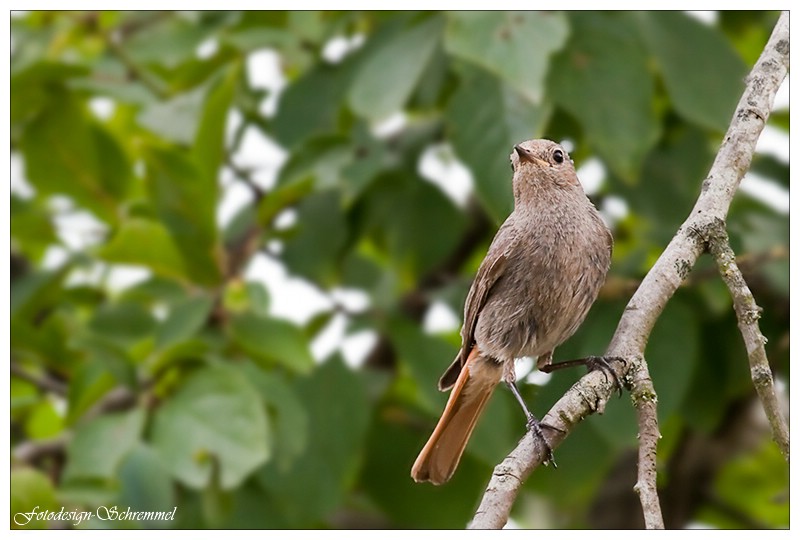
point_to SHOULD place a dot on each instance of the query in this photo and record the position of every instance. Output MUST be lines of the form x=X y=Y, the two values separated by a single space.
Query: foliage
x=229 y=416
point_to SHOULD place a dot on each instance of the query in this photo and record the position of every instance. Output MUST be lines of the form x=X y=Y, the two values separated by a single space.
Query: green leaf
x=99 y=445
x=90 y=382
x=271 y=341
x=603 y=80
x=44 y=421
x=145 y=486
x=338 y=411
x=766 y=475
x=36 y=292
x=392 y=67
x=32 y=86
x=87 y=165
x=316 y=245
x=515 y=46
x=403 y=210
x=310 y=105
x=215 y=421
x=168 y=41
x=287 y=414
x=175 y=119
x=185 y=319
x=675 y=335
x=185 y=201
x=209 y=143
x=31 y=491
x=671 y=172
x=426 y=357
x=122 y=322
x=32 y=230
x=145 y=242
x=687 y=51
x=391 y=448
x=485 y=120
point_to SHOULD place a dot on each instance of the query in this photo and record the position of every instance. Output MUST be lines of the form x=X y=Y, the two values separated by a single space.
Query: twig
x=153 y=83
x=645 y=400
x=591 y=392
x=748 y=313
x=43 y=382
x=34 y=451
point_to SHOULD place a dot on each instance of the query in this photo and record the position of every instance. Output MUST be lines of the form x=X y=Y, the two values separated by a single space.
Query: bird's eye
x=558 y=156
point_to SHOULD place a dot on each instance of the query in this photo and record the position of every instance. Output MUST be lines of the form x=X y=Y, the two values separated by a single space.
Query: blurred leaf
x=31 y=228
x=771 y=167
x=687 y=51
x=403 y=211
x=46 y=342
x=310 y=105
x=757 y=231
x=579 y=474
x=721 y=377
x=766 y=499
x=99 y=445
x=209 y=143
x=314 y=249
x=391 y=450
x=145 y=486
x=154 y=290
x=338 y=411
x=185 y=201
x=214 y=419
x=270 y=341
x=392 y=66
x=91 y=381
x=123 y=322
x=288 y=414
x=36 y=292
x=44 y=421
x=167 y=41
x=516 y=46
x=243 y=296
x=88 y=165
x=145 y=242
x=33 y=84
x=177 y=118
x=603 y=80
x=182 y=351
x=31 y=491
x=426 y=357
x=672 y=172
x=485 y=120
x=185 y=319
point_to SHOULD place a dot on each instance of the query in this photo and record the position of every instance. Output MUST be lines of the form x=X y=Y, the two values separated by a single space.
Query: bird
x=534 y=288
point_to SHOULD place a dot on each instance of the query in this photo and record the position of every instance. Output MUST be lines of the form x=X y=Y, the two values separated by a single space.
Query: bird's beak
x=526 y=155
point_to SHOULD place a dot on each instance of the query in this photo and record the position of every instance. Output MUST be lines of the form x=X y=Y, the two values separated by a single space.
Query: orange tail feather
x=439 y=457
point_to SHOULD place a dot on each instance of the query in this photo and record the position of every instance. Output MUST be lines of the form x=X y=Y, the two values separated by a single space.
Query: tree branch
x=748 y=313
x=592 y=391
x=44 y=382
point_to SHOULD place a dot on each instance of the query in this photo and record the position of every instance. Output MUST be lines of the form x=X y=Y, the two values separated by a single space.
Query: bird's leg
x=603 y=363
x=533 y=424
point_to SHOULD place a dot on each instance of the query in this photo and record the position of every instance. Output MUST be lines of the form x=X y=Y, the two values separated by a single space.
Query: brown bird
x=541 y=275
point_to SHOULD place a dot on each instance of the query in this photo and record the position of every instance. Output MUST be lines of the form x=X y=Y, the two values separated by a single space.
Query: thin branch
x=748 y=313
x=34 y=451
x=43 y=382
x=591 y=392
x=152 y=82
x=645 y=400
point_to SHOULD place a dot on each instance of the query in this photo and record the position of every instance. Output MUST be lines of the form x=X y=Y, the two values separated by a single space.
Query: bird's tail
x=440 y=456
